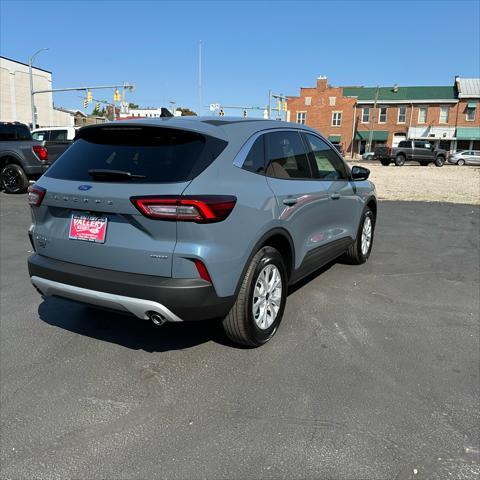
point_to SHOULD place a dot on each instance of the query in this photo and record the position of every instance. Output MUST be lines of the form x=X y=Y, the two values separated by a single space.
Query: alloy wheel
x=366 y=235
x=267 y=296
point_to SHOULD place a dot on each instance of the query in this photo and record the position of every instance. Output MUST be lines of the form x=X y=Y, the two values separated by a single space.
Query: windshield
x=148 y=154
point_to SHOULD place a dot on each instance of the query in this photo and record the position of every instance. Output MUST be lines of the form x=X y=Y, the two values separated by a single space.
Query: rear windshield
x=14 y=132
x=154 y=154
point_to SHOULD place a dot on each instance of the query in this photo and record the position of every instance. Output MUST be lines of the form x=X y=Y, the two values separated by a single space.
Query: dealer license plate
x=88 y=228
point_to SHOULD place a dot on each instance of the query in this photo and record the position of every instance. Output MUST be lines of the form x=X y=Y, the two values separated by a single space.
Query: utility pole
x=269 y=104
x=372 y=121
x=200 y=102
x=30 y=61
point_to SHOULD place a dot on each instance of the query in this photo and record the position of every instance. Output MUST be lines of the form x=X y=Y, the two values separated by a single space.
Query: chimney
x=321 y=83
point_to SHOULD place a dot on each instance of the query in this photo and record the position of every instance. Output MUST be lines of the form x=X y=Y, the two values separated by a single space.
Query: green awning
x=377 y=135
x=468 y=133
x=334 y=138
x=472 y=104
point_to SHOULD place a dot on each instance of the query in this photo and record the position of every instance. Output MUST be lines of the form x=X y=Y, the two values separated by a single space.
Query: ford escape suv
x=182 y=219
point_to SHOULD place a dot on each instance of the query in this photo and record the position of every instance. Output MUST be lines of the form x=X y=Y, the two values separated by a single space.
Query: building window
x=336 y=119
x=308 y=100
x=422 y=114
x=471 y=111
x=302 y=117
x=332 y=101
x=365 y=114
x=443 y=115
x=382 y=115
x=402 y=115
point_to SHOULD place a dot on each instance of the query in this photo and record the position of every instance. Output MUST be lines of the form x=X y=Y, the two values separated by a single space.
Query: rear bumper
x=39 y=169
x=176 y=299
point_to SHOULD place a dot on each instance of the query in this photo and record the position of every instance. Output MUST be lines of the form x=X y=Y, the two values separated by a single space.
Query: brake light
x=35 y=195
x=202 y=270
x=41 y=152
x=199 y=209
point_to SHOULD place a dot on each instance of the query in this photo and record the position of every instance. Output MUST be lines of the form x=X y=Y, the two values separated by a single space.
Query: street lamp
x=31 y=83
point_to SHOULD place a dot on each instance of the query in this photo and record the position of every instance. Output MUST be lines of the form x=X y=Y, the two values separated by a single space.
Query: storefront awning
x=468 y=133
x=472 y=104
x=377 y=135
x=335 y=138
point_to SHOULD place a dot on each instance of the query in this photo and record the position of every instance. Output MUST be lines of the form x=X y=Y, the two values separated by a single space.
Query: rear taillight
x=199 y=209
x=40 y=152
x=35 y=195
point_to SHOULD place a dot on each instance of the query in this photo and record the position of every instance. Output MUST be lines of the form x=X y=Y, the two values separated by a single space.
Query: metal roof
x=402 y=93
x=468 y=87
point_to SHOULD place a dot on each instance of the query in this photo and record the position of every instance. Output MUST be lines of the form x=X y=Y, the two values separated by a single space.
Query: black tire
x=354 y=254
x=439 y=161
x=461 y=162
x=239 y=324
x=13 y=178
x=385 y=163
x=400 y=160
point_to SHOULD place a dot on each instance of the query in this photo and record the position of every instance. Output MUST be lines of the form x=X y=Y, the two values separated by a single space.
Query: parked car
x=21 y=158
x=192 y=218
x=368 y=156
x=420 y=151
x=57 y=139
x=466 y=157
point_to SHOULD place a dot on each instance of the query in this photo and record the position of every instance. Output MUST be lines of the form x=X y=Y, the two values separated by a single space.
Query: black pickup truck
x=421 y=151
x=21 y=158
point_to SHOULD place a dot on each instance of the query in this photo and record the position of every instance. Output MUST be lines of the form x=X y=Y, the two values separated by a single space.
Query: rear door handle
x=335 y=196
x=290 y=201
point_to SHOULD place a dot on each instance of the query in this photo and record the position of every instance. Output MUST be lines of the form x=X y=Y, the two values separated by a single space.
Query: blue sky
x=248 y=47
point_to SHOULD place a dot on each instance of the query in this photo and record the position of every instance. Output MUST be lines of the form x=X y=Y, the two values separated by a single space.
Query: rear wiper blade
x=116 y=174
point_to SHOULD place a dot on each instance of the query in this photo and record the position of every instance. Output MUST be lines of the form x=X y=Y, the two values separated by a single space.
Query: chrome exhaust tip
x=156 y=318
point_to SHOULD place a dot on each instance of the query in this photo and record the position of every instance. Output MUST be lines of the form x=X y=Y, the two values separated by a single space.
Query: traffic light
x=85 y=103
x=285 y=105
x=244 y=114
x=89 y=96
x=97 y=107
x=221 y=113
x=279 y=105
x=116 y=95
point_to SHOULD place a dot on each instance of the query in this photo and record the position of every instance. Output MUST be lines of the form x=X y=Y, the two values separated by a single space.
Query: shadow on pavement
x=131 y=332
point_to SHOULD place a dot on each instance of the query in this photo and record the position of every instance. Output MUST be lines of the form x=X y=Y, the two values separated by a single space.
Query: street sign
x=214 y=106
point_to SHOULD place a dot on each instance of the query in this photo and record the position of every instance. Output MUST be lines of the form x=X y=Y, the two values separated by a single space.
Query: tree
x=98 y=112
x=186 y=112
x=133 y=106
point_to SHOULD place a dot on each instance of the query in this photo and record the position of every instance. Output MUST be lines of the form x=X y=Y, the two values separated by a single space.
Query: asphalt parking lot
x=374 y=373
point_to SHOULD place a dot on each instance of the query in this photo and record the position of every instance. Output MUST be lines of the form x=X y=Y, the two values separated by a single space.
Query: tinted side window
x=58 y=135
x=255 y=161
x=419 y=144
x=286 y=156
x=404 y=144
x=329 y=166
x=8 y=132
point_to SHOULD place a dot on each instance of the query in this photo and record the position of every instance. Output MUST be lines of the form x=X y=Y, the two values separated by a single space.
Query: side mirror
x=360 y=173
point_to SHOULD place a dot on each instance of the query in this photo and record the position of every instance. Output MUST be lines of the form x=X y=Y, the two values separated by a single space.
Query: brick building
x=446 y=115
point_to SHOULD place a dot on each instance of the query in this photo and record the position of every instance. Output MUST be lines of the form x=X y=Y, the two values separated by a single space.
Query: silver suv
x=195 y=218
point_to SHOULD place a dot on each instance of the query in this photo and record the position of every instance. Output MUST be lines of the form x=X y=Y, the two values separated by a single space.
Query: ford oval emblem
x=84 y=187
